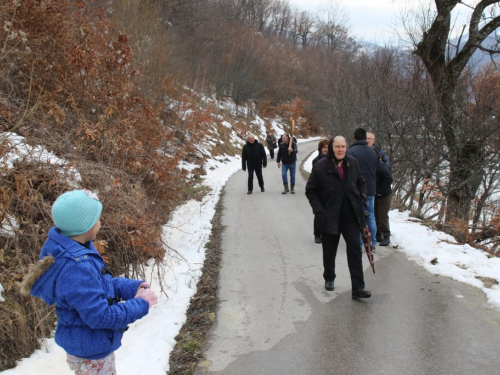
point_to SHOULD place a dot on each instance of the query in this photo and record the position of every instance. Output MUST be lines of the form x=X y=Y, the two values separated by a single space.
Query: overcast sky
x=371 y=20
x=378 y=20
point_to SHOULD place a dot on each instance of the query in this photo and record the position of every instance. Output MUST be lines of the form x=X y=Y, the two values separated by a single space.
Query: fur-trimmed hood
x=35 y=273
x=56 y=253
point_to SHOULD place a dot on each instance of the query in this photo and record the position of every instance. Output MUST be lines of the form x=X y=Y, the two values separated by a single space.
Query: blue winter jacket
x=367 y=159
x=91 y=321
x=385 y=159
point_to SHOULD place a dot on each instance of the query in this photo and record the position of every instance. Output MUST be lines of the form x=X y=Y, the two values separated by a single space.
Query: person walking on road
x=370 y=138
x=271 y=143
x=287 y=154
x=253 y=157
x=367 y=159
x=336 y=191
x=383 y=201
x=322 y=152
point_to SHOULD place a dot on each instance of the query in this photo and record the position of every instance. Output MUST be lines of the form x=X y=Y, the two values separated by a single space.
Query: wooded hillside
x=117 y=91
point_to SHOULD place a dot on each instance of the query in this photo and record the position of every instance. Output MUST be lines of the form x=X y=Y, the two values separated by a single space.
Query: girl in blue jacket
x=93 y=308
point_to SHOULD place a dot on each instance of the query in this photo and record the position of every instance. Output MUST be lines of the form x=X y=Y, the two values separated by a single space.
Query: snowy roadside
x=149 y=341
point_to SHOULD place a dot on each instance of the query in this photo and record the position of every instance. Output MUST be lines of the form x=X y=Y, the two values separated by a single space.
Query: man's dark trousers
x=350 y=231
x=258 y=172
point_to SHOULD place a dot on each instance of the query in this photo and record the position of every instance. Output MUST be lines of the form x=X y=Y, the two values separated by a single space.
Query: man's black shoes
x=329 y=285
x=317 y=239
x=262 y=189
x=249 y=192
x=360 y=293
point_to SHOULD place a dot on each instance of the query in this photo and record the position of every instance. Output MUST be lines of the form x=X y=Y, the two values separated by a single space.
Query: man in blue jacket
x=367 y=159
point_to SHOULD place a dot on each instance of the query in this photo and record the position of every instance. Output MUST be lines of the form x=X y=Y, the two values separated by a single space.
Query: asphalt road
x=275 y=317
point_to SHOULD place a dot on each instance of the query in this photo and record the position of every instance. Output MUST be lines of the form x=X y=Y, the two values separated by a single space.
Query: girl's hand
x=147 y=295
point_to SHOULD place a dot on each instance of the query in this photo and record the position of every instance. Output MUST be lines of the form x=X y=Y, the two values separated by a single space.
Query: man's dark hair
x=360 y=134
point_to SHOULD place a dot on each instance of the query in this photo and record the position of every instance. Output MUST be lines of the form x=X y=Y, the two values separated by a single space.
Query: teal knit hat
x=75 y=212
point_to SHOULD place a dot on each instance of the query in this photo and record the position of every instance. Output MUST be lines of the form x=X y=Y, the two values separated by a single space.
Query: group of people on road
x=349 y=189
x=253 y=159
x=94 y=308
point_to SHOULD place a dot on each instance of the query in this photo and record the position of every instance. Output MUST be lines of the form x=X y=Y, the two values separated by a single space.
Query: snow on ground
x=308 y=162
x=19 y=151
x=148 y=342
x=439 y=254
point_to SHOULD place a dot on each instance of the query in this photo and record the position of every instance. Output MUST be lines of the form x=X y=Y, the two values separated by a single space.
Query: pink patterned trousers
x=82 y=366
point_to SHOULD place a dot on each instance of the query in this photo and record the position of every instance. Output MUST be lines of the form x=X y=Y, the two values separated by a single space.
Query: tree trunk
x=465 y=149
x=465 y=154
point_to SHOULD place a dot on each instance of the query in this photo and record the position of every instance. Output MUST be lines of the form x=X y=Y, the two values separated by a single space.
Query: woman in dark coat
x=322 y=152
x=336 y=191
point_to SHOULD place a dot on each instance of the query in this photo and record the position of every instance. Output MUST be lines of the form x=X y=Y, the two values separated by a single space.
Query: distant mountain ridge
x=478 y=59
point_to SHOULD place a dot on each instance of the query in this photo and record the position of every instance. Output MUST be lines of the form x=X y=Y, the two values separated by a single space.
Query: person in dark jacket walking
x=254 y=157
x=322 y=152
x=271 y=143
x=367 y=159
x=336 y=191
x=370 y=138
x=287 y=154
x=383 y=201
x=93 y=308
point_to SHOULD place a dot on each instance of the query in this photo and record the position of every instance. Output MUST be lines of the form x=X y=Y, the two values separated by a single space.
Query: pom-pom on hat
x=75 y=212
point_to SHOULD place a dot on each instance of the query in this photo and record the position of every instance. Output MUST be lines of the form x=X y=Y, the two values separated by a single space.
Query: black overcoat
x=384 y=180
x=253 y=154
x=318 y=158
x=325 y=191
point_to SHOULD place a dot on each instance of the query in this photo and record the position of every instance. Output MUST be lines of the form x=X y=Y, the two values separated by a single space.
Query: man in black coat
x=383 y=201
x=254 y=157
x=367 y=159
x=336 y=191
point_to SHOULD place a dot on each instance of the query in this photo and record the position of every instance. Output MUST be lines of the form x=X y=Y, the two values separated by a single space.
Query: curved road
x=275 y=317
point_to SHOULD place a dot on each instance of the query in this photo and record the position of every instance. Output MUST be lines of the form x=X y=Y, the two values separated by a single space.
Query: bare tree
x=434 y=44
x=332 y=30
x=281 y=16
x=303 y=24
